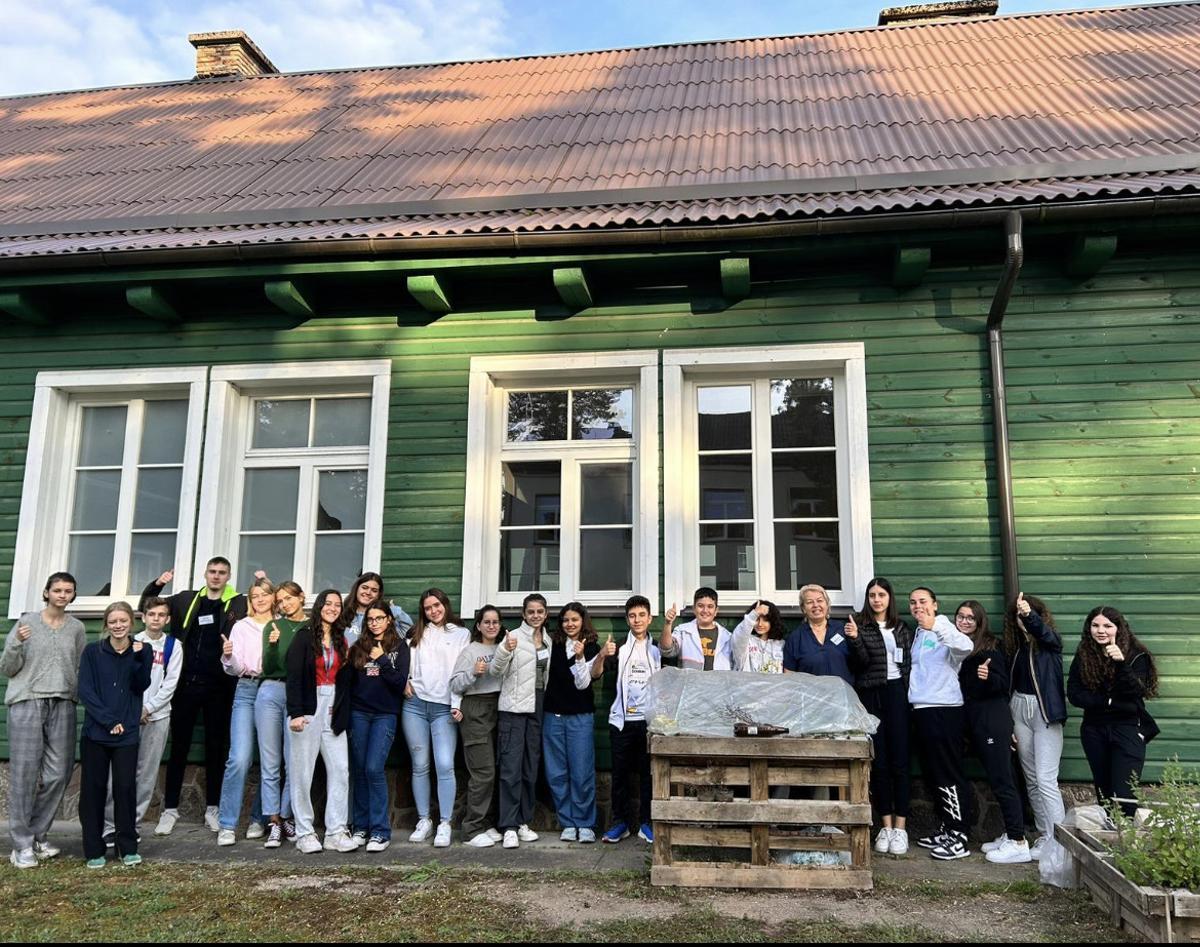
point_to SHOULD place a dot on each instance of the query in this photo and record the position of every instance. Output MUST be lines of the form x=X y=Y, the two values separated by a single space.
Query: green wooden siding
x=1104 y=401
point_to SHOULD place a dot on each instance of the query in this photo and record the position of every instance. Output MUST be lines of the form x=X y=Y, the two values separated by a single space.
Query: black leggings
x=96 y=762
x=989 y=723
x=890 y=789
x=1116 y=753
x=630 y=754
x=940 y=739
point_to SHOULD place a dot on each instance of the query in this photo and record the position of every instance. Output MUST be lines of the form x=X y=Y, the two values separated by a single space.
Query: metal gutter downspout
x=1014 y=257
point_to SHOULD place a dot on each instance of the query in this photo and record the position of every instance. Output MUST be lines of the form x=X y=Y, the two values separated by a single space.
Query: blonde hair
x=117 y=607
x=815 y=588
x=266 y=585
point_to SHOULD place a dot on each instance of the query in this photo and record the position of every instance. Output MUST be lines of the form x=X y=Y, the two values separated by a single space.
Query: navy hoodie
x=111 y=685
x=379 y=684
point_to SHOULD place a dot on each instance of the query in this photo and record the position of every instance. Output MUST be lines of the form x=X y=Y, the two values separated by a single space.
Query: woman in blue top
x=820 y=645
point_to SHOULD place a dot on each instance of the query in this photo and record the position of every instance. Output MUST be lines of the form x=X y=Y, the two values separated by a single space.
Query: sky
x=52 y=45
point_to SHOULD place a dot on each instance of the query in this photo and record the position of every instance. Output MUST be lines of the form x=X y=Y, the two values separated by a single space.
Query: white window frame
x=490 y=378
x=42 y=542
x=232 y=391
x=683 y=371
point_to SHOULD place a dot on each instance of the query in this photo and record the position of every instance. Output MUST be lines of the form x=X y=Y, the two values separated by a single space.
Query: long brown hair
x=983 y=639
x=337 y=628
x=418 y=631
x=1015 y=635
x=360 y=653
x=1096 y=668
x=587 y=633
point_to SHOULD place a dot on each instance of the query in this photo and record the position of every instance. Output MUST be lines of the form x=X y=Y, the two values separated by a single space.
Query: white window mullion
x=845 y=493
x=570 y=516
x=305 y=524
x=127 y=498
x=763 y=461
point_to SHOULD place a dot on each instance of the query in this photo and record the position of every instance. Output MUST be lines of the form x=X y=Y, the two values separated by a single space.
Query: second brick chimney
x=229 y=53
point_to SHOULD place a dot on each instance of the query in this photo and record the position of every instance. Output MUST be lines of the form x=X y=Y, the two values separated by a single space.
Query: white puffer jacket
x=517 y=670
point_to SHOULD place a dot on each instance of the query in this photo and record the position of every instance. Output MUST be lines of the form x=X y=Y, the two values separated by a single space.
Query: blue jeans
x=569 y=756
x=241 y=757
x=371 y=737
x=274 y=740
x=430 y=731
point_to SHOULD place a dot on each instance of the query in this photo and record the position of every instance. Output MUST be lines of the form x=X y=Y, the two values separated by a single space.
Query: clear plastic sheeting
x=709 y=703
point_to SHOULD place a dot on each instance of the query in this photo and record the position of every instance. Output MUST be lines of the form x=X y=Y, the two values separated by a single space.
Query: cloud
x=74 y=44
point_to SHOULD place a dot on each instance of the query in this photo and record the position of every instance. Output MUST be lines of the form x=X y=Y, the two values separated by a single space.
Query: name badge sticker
x=837 y=639
x=544 y=654
x=899 y=656
x=204 y=620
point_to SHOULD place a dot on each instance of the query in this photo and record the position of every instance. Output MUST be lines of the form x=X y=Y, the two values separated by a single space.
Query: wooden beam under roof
x=24 y=306
x=572 y=285
x=288 y=296
x=1089 y=253
x=909 y=266
x=430 y=292
x=151 y=301
x=735 y=277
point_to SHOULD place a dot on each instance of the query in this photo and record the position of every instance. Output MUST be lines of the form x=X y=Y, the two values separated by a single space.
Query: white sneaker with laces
x=339 y=842
x=883 y=840
x=359 y=839
x=422 y=832
x=212 y=818
x=510 y=839
x=255 y=830
x=526 y=834
x=993 y=844
x=377 y=844
x=587 y=836
x=494 y=835
x=226 y=837
x=274 y=836
x=23 y=858
x=166 y=822
x=569 y=835
x=482 y=840
x=899 y=843
x=442 y=839
x=1010 y=853
x=45 y=850
x=308 y=844
x=1035 y=850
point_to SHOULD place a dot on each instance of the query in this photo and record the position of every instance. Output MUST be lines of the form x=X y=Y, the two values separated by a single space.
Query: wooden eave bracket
x=909 y=266
x=735 y=277
x=572 y=286
x=151 y=301
x=24 y=306
x=289 y=296
x=1089 y=254
x=430 y=292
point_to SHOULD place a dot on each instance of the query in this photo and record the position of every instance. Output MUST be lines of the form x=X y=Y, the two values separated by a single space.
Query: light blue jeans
x=241 y=756
x=430 y=731
x=569 y=757
x=274 y=741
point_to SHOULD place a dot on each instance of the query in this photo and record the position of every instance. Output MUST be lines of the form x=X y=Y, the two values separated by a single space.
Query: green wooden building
x=920 y=300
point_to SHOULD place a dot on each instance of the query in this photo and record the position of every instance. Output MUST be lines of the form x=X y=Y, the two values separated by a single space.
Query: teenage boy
x=156 y=709
x=198 y=620
x=636 y=660
x=700 y=644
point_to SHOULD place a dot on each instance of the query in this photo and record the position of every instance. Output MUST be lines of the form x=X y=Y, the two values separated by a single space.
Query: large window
x=561 y=479
x=769 y=453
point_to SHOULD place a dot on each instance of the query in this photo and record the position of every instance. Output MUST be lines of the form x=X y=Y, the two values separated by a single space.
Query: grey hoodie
x=937 y=655
x=464 y=681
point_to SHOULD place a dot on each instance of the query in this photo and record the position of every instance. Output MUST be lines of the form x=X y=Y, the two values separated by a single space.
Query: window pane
x=802 y=412
x=530 y=494
x=342 y=422
x=269 y=501
x=727 y=556
x=96 y=494
x=724 y=418
x=726 y=487
x=151 y=555
x=338 y=561
x=157 y=504
x=529 y=560
x=342 y=501
x=606 y=559
x=164 y=431
x=280 y=423
x=807 y=552
x=90 y=560
x=602 y=414
x=607 y=495
x=102 y=438
x=805 y=484
x=275 y=555
x=537 y=416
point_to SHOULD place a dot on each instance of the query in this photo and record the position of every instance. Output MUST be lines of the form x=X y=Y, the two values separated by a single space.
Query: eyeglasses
x=376 y=619
x=969 y=619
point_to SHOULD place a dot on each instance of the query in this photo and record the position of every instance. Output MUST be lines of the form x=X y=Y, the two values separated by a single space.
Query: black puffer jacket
x=872 y=654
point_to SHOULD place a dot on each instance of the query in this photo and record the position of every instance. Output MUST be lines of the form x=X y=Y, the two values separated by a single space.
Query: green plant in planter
x=1165 y=851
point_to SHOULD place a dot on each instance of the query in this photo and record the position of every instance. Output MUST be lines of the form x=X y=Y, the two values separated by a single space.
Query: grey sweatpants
x=1039 y=746
x=478 y=733
x=152 y=740
x=318 y=739
x=41 y=755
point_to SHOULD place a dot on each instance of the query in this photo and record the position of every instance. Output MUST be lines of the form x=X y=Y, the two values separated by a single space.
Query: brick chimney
x=939 y=11
x=229 y=53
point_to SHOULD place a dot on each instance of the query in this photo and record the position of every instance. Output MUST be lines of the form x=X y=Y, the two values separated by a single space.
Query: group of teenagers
x=337 y=682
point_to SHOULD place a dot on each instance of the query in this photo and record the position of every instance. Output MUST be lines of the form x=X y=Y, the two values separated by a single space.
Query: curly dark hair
x=1014 y=634
x=983 y=639
x=587 y=634
x=778 y=630
x=1095 y=667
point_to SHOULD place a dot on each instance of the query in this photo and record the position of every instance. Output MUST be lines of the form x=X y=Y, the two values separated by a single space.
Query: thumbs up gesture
x=226 y=646
x=274 y=636
x=983 y=670
x=137 y=646
x=1113 y=651
x=851 y=628
x=1023 y=607
x=23 y=632
x=578 y=648
x=671 y=614
x=610 y=647
x=510 y=642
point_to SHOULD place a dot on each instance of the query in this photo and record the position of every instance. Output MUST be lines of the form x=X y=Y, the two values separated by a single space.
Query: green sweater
x=274 y=663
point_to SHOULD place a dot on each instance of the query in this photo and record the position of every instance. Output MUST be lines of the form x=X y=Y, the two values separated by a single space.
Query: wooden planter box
x=1160 y=916
x=742 y=772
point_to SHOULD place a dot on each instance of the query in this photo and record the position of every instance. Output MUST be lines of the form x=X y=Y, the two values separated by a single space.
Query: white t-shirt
x=636 y=679
x=889 y=642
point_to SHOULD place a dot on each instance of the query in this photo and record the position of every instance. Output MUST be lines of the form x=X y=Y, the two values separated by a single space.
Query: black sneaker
x=954 y=845
x=110 y=840
x=932 y=841
x=289 y=829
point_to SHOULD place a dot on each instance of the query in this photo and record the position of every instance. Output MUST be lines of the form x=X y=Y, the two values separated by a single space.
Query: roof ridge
x=194 y=82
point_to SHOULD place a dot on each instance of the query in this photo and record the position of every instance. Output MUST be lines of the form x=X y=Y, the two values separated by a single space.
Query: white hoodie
x=156 y=699
x=937 y=655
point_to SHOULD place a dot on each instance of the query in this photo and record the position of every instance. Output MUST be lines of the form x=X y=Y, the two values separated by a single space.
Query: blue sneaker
x=645 y=833
x=619 y=831
x=96 y=863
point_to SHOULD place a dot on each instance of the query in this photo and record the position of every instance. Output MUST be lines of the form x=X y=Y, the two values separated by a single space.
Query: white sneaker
x=993 y=844
x=255 y=830
x=587 y=836
x=526 y=834
x=166 y=822
x=510 y=839
x=442 y=839
x=1035 y=850
x=377 y=844
x=23 y=858
x=569 y=835
x=494 y=835
x=899 y=843
x=882 y=840
x=45 y=850
x=422 y=832
x=226 y=837
x=212 y=818
x=339 y=842
x=482 y=840
x=359 y=839
x=308 y=844
x=1010 y=853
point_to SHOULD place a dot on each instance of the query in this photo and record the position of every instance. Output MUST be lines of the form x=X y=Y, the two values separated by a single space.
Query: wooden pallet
x=745 y=770
x=1158 y=915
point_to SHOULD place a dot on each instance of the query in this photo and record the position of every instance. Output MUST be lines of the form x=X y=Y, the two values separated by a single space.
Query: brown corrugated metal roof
x=785 y=127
